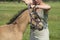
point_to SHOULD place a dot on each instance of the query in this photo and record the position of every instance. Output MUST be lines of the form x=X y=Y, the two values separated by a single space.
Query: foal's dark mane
x=16 y=16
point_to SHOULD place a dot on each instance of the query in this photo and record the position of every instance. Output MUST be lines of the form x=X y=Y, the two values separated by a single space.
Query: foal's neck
x=22 y=20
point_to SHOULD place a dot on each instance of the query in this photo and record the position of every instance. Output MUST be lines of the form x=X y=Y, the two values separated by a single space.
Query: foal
x=15 y=29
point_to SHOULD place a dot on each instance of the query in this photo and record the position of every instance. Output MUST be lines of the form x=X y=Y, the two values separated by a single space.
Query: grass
x=9 y=9
x=54 y=21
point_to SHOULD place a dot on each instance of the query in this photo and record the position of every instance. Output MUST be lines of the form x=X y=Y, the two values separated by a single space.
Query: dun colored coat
x=12 y=30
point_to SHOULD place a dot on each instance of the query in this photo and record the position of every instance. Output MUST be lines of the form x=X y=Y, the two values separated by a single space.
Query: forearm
x=43 y=6
x=47 y=7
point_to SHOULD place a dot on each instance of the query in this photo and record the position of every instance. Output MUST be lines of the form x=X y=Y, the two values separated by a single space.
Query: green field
x=9 y=9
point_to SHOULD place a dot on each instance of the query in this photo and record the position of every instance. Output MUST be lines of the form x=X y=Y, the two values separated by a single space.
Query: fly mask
x=36 y=18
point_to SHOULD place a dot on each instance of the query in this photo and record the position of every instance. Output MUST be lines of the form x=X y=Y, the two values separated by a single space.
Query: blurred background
x=21 y=0
x=9 y=8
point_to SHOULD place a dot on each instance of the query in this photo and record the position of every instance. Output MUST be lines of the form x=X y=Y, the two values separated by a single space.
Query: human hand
x=28 y=1
x=39 y=4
